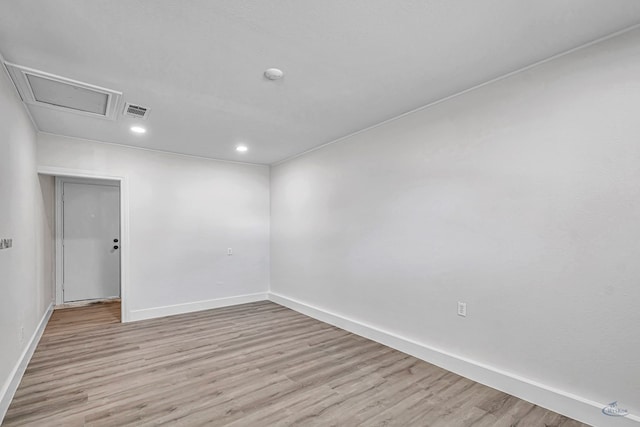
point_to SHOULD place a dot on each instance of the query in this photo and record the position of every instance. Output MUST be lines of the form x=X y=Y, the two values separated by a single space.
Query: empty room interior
x=334 y=213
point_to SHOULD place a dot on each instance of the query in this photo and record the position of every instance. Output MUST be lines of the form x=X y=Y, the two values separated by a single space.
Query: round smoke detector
x=274 y=74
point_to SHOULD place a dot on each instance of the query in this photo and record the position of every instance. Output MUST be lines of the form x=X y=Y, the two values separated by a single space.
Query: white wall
x=46 y=245
x=520 y=198
x=25 y=282
x=184 y=212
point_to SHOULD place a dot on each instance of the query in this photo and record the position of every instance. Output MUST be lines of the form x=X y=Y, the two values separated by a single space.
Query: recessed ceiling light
x=138 y=129
x=274 y=74
x=241 y=148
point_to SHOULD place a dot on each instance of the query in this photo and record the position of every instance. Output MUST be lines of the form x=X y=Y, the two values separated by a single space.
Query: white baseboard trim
x=171 y=310
x=560 y=401
x=11 y=385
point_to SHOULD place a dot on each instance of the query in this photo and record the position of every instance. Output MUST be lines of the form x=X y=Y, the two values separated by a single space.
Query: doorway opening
x=90 y=239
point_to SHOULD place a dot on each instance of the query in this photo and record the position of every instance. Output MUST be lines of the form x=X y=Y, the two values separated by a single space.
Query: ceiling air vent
x=136 y=111
x=60 y=93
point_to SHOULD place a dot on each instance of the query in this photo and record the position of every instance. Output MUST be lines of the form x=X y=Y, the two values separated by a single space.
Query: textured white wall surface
x=520 y=198
x=25 y=269
x=46 y=246
x=184 y=213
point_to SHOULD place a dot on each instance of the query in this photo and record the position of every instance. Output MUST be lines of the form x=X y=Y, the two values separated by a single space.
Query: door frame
x=78 y=175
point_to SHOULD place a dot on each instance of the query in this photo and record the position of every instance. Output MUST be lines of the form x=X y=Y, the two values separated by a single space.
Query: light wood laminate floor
x=256 y=364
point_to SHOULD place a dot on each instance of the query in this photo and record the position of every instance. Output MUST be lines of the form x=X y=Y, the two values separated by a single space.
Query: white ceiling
x=349 y=64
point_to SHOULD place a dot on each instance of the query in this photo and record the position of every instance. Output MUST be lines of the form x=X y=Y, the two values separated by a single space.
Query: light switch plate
x=462 y=309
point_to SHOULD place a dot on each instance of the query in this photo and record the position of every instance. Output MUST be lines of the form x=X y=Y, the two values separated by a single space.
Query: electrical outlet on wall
x=462 y=309
x=229 y=251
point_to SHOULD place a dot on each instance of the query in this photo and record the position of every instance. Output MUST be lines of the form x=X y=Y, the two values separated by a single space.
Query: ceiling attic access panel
x=60 y=93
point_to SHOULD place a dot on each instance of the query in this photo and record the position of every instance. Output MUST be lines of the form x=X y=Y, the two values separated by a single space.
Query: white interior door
x=91 y=241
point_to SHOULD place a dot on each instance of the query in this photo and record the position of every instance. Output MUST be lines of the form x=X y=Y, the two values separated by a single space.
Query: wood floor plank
x=255 y=364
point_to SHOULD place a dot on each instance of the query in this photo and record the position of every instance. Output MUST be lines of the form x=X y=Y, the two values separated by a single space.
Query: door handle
x=116 y=247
